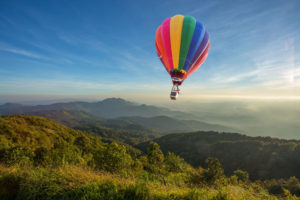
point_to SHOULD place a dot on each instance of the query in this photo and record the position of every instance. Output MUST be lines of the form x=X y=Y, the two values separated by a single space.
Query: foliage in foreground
x=72 y=182
x=41 y=159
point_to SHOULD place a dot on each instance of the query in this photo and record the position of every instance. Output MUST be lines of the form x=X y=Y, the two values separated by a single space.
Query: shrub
x=174 y=163
x=242 y=175
x=214 y=170
x=113 y=158
x=155 y=158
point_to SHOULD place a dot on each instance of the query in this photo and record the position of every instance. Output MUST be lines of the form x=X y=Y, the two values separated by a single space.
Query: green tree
x=155 y=158
x=113 y=158
x=174 y=163
x=214 y=170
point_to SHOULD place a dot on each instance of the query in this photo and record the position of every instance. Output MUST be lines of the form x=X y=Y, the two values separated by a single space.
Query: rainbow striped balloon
x=182 y=44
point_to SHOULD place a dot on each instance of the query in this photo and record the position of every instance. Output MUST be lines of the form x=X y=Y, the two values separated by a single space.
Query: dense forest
x=42 y=159
x=263 y=157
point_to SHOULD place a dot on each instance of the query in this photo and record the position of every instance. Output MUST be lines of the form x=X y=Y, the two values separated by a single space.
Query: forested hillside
x=119 y=130
x=41 y=159
x=262 y=157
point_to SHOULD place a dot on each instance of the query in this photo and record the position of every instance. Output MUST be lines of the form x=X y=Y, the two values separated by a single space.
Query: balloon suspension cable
x=175 y=88
x=174 y=92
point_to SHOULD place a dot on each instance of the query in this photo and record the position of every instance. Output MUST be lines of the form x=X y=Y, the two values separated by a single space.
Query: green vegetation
x=41 y=159
x=108 y=129
x=131 y=137
x=262 y=157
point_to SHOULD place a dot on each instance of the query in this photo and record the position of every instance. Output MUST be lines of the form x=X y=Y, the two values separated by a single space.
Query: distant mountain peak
x=107 y=108
x=116 y=101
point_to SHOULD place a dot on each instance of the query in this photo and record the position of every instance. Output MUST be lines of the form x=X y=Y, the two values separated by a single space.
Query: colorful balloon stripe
x=200 y=50
x=200 y=60
x=175 y=33
x=187 y=34
x=195 y=43
x=165 y=36
x=160 y=49
x=182 y=44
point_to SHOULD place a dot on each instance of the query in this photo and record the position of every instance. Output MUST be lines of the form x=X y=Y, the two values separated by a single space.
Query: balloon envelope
x=182 y=44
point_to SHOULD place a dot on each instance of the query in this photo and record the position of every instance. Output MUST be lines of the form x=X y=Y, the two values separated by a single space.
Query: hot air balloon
x=182 y=45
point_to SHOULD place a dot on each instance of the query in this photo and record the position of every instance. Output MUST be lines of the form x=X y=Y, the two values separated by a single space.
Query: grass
x=72 y=182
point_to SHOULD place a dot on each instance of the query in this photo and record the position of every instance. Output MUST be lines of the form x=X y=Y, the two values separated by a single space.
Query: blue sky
x=107 y=48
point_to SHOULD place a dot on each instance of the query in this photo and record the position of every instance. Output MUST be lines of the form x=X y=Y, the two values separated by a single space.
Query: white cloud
x=10 y=49
x=275 y=65
x=236 y=77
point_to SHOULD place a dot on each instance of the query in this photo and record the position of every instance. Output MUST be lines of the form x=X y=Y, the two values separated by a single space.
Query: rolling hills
x=79 y=120
x=166 y=124
x=116 y=113
x=147 y=125
x=38 y=132
x=108 y=108
x=41 y=159
x=262 y=157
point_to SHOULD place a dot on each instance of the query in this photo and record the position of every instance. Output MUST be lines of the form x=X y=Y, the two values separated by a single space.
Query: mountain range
x=108 y=108
x=116 y=113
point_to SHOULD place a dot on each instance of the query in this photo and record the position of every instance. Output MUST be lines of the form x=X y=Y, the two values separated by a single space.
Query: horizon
x=253 y=117
x=33 y=99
